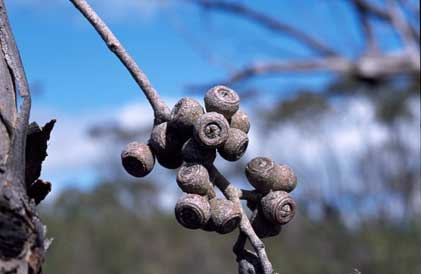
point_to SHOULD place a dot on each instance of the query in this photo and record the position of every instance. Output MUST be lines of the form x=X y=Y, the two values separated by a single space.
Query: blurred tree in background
x=354 y=126
x=118 y=227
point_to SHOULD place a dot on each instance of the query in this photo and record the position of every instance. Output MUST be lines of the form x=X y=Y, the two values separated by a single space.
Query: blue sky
x=83 y=84
x=77 y=72
x=64 y=55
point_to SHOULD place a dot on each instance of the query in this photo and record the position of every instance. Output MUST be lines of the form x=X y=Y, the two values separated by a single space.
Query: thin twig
x=268 y=22
x=249 y=195
x=380 y=13
x=232 y=193
x=402 y=26
x=372 y=46
x=161 y=110
x=373 y=9
x=367 y=66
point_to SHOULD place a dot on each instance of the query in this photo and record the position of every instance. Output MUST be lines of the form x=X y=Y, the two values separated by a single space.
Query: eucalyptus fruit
x=166 y=146
x=211 y=130
x=263 y=227
x=192 y=211
x=287 y=179
x=225 y=216
x=222 y=100
x=235 y=146
x=193 y=152
x=198 y=135
x=240 y=121
x=184 y=115
x=265 y=175
x=278 y=207
x=189 y=139
x=137 y=159
x=194 y=178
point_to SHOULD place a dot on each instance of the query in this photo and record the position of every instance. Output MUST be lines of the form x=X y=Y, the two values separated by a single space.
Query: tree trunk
x=22 y=150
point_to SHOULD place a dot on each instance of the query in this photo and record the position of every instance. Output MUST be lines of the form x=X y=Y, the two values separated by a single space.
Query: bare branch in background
x=366 y=67
x=367 y=28
x=368 y=7
x=338 y=64
x=402 y=27
x=371 y=64
x=383 y=14
x=268 y=22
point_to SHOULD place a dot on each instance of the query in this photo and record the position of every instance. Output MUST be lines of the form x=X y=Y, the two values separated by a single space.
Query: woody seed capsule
x=278 y=207
x=235 y=146
x=222 y=100
x=192 y=211
x=193 y=152
x=263 y=227
x=166 y=146
x=211 y=130
x=287 y=179
x=225 y=216
x=194 y=178
x=241 y=121
x=184 y=115
x=137 y=159
x=265 y=175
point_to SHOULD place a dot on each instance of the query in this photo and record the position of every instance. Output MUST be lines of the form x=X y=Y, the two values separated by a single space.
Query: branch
x=249 y=195
x=366 y=67
x=319 y=64
x=233 y=193
x=382 y=14
x=335 y=64
x=367 y=28
x=161 y=110
x=401 y=25
x=268 y=22
x=368 y=7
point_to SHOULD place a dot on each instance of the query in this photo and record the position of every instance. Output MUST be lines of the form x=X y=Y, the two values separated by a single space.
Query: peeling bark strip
x=22 y=235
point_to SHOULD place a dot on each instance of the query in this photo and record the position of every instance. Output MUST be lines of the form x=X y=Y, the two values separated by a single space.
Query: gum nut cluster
x=276 y=207
x=190 y=141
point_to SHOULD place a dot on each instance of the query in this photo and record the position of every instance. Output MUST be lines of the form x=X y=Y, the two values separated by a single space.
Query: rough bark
x=22 y=235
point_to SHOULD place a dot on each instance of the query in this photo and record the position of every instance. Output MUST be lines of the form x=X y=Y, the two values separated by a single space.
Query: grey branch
x=368 y=7
x=382 y=14
x=249 y=195
x=402 y=27
x=372 y=63
x=269 y=23
x=161 y=110
x=367 y=28
x=367 y=66
x=232 y=193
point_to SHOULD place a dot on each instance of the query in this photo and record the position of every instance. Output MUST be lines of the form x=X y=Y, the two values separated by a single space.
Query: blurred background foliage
x=365 y=215
x=118 y=228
